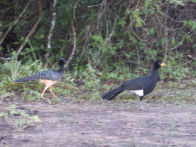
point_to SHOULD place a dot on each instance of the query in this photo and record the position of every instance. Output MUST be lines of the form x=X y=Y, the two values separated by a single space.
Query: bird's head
x=62 y=61
x=158 y=64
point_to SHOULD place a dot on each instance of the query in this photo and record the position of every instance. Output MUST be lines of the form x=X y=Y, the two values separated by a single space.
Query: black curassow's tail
x=112 y=94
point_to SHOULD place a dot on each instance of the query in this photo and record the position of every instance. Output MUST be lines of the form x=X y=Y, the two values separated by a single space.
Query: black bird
x=140 y=86
x=47 y=77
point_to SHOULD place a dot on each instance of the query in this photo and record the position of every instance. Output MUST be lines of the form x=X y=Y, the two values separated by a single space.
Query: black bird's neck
x=61 y=67
x=155 y=74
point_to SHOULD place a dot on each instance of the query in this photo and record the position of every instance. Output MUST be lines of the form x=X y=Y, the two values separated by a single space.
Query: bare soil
x=118 y=124
x=170 y=120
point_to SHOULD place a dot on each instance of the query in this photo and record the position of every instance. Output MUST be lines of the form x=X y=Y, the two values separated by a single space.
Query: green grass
x=89 y=84
x=18 y=119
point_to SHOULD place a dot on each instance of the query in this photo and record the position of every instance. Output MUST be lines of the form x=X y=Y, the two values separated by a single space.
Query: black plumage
x=141 y=86
x=48 y=77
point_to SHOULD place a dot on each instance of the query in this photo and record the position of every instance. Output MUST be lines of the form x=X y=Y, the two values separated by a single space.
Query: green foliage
x=19 y=119
x=190 y=24
x=11 y=70
x=91 y=83
x=136 y=15
x=177 y=2
x=13 y=67
x=3 y=115
x=113 y=76
x=89 y=78
x=122 y=40
x=152 y=53
x=175 y=70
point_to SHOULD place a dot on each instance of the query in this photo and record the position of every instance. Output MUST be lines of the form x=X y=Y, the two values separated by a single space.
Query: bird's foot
x=48 y=100
x=52 y=93
x=54 y=96
x=148 y=104
x=142 y=108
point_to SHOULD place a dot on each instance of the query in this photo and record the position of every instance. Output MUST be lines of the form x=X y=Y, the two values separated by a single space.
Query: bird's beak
x=162 y=64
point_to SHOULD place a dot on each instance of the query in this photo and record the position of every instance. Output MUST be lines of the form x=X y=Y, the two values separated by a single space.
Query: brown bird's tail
x=30 y=78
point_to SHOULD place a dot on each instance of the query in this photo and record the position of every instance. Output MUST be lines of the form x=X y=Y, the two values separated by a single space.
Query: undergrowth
x=18 y=119
x=82 y=83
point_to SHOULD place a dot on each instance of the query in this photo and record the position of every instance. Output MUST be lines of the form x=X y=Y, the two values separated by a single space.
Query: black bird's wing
x=145 y=83
x=137 y=84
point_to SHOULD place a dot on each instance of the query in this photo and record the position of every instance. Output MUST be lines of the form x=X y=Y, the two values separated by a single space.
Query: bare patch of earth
x=116 y=124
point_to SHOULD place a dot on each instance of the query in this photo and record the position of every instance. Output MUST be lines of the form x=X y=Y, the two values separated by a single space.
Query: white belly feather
x=138 y=92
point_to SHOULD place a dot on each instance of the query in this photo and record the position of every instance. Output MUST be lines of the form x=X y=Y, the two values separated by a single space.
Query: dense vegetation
x=122 y=38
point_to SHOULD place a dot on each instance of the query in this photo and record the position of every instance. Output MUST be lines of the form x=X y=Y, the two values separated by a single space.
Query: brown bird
x=47 y=77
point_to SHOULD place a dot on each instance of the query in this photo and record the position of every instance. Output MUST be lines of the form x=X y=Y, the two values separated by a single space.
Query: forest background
x=104 y=41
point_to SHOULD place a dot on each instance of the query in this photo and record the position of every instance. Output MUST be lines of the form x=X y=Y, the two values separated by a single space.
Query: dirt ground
x=118 y=124
x=169 y=121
